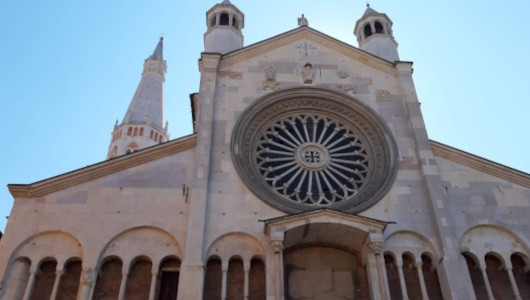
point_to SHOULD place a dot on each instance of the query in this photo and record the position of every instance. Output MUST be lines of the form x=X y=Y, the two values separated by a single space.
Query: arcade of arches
x=323 y=254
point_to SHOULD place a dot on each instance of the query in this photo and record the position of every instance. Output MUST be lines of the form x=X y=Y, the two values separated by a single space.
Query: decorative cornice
x=481 y=164
x=313 y=35
x=105 y=168
x=209 y=62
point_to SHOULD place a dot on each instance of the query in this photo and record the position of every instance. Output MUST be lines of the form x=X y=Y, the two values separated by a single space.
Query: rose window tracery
x=307 y=148
x=312 y=159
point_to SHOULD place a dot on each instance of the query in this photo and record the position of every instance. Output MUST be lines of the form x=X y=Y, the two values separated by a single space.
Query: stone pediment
x=101 y=169
x=307 y=33
x=325 y=215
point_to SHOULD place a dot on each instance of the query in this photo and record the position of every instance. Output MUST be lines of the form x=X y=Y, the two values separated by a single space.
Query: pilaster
x=192 y=269
x=453 y=287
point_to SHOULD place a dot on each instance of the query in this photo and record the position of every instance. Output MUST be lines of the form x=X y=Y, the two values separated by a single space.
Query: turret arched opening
x=224 y=19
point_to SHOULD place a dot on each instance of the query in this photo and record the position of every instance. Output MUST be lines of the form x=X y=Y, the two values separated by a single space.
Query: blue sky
x=68 y=70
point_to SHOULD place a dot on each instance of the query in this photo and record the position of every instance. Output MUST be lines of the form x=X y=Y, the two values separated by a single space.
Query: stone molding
x=480 y=164
x=105 y=168
x=209 y=62
x=312 y=35
x=284 y=223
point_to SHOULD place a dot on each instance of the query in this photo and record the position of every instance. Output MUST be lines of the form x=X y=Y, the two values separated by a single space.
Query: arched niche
x=402 y=242
x=484 y=239
x=60 y=245
x=151 y=242
x=235 y=244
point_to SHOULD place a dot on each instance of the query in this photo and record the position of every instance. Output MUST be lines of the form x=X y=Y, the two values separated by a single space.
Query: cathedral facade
x=309 y=175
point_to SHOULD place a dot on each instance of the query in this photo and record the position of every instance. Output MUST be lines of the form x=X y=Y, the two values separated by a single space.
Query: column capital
x=88 y=277
x=376 y=246
x=277 y=245
x=246 y=266
x=224 y=266
x=419 y=264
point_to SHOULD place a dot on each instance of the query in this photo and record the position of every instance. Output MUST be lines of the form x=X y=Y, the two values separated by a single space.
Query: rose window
x=312 y=159
x=307 y=148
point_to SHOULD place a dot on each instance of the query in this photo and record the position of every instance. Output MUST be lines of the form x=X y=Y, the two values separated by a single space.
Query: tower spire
x=143 y=123
x=159 y=50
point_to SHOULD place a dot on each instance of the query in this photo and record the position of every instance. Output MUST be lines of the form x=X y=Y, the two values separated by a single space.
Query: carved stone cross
x=306 y=47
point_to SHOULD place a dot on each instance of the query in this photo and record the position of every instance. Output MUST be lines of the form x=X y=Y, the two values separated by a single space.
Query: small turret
x=374 y=34
x=143 y=123
x=225 y=22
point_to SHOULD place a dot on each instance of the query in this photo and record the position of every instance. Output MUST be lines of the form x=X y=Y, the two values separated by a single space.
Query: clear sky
x=68 y=70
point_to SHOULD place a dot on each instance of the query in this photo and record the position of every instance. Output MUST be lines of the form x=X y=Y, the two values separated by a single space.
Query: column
x=372 y=26
x=486 y=281
x=277 y=247
x=246 y=269
x=29 y=287
x=422 y=281
x=513 y=283
x=224 y=267
x=154 y=277
x=404 y=293
x=58 y=274
x=123 y=285
x=373 y=257
x=88 y=279
x=381 y=263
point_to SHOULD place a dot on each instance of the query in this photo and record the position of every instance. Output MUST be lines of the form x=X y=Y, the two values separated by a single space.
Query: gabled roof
x=306 y=32
x=369 y=11
x=481 y=164
x=101 y=169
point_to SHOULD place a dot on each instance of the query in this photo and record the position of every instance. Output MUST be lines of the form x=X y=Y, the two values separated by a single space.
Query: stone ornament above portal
x=306 y=148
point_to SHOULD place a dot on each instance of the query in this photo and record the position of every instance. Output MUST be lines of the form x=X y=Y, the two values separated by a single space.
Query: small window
x=378 y=27
x=160 y=139
x=156 y=136
x=141 y=131
x=129 y=131
x=367 y=30
x=151 y=134
x=135 y=131
x=224 y=19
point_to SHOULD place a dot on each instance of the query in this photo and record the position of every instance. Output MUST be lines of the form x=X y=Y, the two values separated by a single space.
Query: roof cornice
x=318 y=37
x=480 y=164
x=101 y=169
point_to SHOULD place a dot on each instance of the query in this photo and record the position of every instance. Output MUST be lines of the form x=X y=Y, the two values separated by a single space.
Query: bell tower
x=143 y=124
x=225 y=22
x=374 y=34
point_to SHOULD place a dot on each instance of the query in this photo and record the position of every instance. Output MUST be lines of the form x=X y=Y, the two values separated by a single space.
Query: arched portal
x=327 y=255
x=324 y=272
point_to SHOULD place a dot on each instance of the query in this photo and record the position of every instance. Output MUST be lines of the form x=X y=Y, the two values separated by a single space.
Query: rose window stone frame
x=308 y=148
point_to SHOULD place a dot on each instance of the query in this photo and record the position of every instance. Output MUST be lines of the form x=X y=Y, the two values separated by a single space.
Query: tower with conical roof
x=225 y=22
x=143 y=124
x=374 y=34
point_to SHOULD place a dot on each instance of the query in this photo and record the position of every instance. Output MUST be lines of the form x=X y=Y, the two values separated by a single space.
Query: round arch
x=148 y=241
